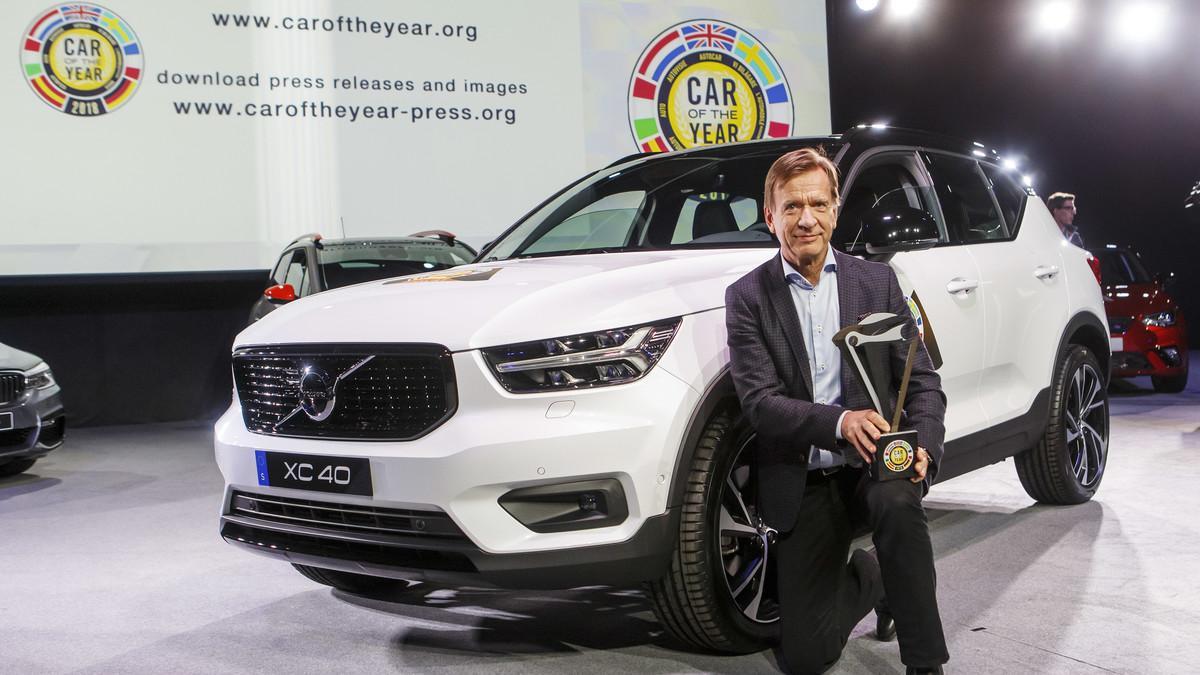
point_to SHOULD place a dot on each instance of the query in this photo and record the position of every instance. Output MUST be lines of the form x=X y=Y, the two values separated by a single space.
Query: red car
x=1146 y=329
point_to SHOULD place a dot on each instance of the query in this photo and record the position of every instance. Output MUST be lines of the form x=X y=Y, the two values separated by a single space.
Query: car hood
x=1135 y=299
x=15 y=359
x=495 y=303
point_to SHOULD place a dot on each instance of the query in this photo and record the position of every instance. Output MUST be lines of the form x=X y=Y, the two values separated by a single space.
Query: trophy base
x=895 y=456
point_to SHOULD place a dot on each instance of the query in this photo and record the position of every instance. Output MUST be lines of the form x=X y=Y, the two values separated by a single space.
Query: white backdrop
x=158 y=185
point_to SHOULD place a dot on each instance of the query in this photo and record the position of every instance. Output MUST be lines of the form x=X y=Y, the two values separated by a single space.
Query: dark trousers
x=822 y=597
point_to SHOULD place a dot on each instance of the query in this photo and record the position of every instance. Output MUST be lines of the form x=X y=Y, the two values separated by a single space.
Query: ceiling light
x=1141 y=23
x=1055 y=17
x=867 y=5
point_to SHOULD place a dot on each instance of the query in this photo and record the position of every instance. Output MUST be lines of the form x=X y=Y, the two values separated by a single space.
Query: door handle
x=961 y=286
x=1045 y=271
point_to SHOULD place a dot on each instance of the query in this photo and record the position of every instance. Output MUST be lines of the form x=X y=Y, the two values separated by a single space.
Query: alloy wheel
x=1086 y=419
x=747 y=545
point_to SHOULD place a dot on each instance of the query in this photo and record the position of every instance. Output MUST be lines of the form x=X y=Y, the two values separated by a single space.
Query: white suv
x=560 y=413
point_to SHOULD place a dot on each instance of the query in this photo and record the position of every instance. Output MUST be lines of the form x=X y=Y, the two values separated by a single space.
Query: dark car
x=31 y=411
x=1147 y=330
x=311 y=264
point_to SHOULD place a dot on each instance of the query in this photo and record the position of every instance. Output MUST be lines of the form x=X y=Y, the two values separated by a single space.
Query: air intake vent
x=351 y=519
x=351 y=392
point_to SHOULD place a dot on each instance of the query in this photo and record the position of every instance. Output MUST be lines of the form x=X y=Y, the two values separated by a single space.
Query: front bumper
x=495 y=443
x=38 y=425
x=1160 y=352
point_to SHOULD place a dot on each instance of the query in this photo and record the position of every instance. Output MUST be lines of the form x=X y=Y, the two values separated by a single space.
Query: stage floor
x=110 y=562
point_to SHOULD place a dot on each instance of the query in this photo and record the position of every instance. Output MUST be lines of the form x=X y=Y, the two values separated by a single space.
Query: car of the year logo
x=560 y=412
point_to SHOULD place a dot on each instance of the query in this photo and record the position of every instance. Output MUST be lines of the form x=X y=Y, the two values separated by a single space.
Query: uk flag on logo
x=700 y=35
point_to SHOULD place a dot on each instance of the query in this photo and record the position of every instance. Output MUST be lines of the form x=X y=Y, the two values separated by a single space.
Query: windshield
x=354 y=263
x=668 y=203
x=1122 y=267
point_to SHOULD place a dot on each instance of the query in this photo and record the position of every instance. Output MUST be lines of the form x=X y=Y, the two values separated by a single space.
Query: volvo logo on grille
x=318 y=392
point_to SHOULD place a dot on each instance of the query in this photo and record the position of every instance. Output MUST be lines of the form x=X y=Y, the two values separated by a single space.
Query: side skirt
x=996 y=443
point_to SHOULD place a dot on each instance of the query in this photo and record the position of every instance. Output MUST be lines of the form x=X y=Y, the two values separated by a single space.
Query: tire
x=15 y=466
x=1067 y=464
x=1171 y=384
x=695 y=601
x=358 y=584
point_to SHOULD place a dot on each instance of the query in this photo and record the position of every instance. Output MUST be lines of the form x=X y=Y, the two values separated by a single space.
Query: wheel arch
x=718 y=395
x=1088 y=330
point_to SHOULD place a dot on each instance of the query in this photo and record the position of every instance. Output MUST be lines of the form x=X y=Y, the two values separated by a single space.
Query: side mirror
x=892 y=229
x=1166 y=279
x=280 y=294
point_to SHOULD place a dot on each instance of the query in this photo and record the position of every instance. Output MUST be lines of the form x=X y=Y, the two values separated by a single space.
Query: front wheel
x=720 y=592
x=1067 y=464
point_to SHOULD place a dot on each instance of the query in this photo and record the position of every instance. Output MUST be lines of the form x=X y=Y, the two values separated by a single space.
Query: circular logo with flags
x=706 y=82
x=898 y=456
x=81 y=59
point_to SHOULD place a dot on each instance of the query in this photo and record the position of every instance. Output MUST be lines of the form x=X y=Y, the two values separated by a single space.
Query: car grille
x=382 y=392
x=12 y=385
x=1117 y=325
x=402 y=538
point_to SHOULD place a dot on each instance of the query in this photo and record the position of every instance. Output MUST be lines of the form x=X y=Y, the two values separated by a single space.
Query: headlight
x=1159 y=319
x=596 y=359
x=39 y=377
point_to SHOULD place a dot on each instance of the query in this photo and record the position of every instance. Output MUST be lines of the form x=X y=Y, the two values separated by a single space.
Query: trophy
x=866 y=347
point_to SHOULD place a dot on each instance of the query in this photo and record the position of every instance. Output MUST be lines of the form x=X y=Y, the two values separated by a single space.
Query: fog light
x=1170 y=356
x=589 y=501
x=562 y=507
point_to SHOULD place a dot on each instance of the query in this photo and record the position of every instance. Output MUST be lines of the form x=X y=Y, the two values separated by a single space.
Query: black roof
x=860 y=136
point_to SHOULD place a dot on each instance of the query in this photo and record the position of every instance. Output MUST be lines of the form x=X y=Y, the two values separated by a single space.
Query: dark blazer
x=769 y=364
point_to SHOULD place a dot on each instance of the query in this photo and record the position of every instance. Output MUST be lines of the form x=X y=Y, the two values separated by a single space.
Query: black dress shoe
x=936 y=670
x=885 y=625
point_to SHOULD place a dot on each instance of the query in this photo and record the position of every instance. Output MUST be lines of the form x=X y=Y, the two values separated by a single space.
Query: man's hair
x=795 y=163
x=1059 y=199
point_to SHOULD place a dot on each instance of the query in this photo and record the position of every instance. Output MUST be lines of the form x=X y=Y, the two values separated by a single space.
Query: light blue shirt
x=818 y=309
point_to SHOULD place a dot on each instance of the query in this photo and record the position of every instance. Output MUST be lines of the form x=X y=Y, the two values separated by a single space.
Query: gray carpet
x=110 y=562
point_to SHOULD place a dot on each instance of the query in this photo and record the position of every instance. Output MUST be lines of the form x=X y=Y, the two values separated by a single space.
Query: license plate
x=1116 y=344
x=6 y=421
x=343 y=475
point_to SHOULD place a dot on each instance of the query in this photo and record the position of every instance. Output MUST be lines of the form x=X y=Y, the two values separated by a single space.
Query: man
x=816 y=430
x=1062 y=207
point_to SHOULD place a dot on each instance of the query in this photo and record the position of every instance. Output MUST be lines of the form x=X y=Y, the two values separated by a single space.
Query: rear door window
x=1009 y=195
x=971 y=213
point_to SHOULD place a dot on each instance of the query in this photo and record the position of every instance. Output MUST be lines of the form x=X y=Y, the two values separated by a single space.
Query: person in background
x=1062 y=207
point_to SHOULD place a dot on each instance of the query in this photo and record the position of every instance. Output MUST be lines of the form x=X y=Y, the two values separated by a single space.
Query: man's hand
x=921 y=466
x=861 y=428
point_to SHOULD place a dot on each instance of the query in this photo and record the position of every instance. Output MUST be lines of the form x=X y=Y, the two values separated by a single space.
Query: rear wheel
x=1067 y=464
x=350 y=582
x=15 y=466
x=720 y=592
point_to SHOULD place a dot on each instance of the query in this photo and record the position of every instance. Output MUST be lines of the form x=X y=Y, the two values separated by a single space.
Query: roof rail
x=445 y=236
x=315 y=237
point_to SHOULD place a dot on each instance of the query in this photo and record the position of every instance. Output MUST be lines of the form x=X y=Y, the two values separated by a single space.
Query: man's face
x=1065 y=214
x=803 y=216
